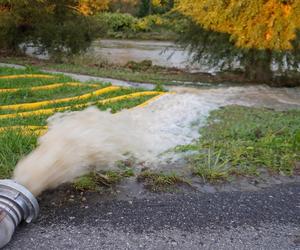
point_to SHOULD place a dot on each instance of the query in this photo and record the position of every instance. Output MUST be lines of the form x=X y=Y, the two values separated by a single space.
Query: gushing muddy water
x=78 y=142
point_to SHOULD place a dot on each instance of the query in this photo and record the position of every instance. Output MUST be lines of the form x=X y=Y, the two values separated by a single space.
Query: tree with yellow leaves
x=261 y=24
x=264 y=31
x=89 y=7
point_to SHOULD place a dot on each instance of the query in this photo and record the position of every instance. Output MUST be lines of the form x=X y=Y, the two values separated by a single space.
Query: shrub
x=120 y=25
x=116 y=22
x=149 y=22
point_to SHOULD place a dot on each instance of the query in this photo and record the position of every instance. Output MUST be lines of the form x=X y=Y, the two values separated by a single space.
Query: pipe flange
x=21 y=198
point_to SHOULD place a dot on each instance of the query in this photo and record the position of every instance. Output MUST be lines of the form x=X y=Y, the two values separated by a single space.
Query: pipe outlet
x=17 y=204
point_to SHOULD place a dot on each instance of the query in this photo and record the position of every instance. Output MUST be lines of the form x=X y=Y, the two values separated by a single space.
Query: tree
x=149 y=7
x=261 y=24
x=125 y=6
x=257 y=32
x=56 y=26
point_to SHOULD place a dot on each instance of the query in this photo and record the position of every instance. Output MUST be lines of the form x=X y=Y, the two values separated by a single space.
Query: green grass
x=41 y=119
x=27 y=96
x=243 y=141
x=67 y=91
x=29 y=82
x=14 y=144
x=12 y=71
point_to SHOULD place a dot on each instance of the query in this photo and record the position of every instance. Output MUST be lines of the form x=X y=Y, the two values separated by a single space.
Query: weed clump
x=94 y=181
x=160 y=182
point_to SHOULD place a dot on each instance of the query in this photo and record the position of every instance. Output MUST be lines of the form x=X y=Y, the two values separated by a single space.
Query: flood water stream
x=161 y=53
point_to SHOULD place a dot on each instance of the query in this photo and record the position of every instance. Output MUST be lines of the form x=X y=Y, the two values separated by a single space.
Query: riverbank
x=144 y=72
x=135 y=72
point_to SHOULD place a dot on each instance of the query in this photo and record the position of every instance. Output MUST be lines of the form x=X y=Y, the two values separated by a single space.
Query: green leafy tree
x=150 y=7
x=57 y=26
x=145 y=8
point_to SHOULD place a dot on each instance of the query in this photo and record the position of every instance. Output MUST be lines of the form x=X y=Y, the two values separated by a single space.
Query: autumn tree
x=56 y=26
x=258 y=32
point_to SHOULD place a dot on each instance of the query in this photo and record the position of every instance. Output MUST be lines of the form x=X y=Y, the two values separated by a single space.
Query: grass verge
x=244 y=141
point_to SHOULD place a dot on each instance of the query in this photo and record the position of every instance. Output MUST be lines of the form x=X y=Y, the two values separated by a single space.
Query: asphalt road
x=265 y=219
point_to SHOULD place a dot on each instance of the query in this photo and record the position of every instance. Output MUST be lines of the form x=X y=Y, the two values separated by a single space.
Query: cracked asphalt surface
x=265 y=219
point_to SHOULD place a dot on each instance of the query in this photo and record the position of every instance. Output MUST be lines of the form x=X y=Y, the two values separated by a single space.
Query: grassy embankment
x=134 y=72
x=29 y=97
